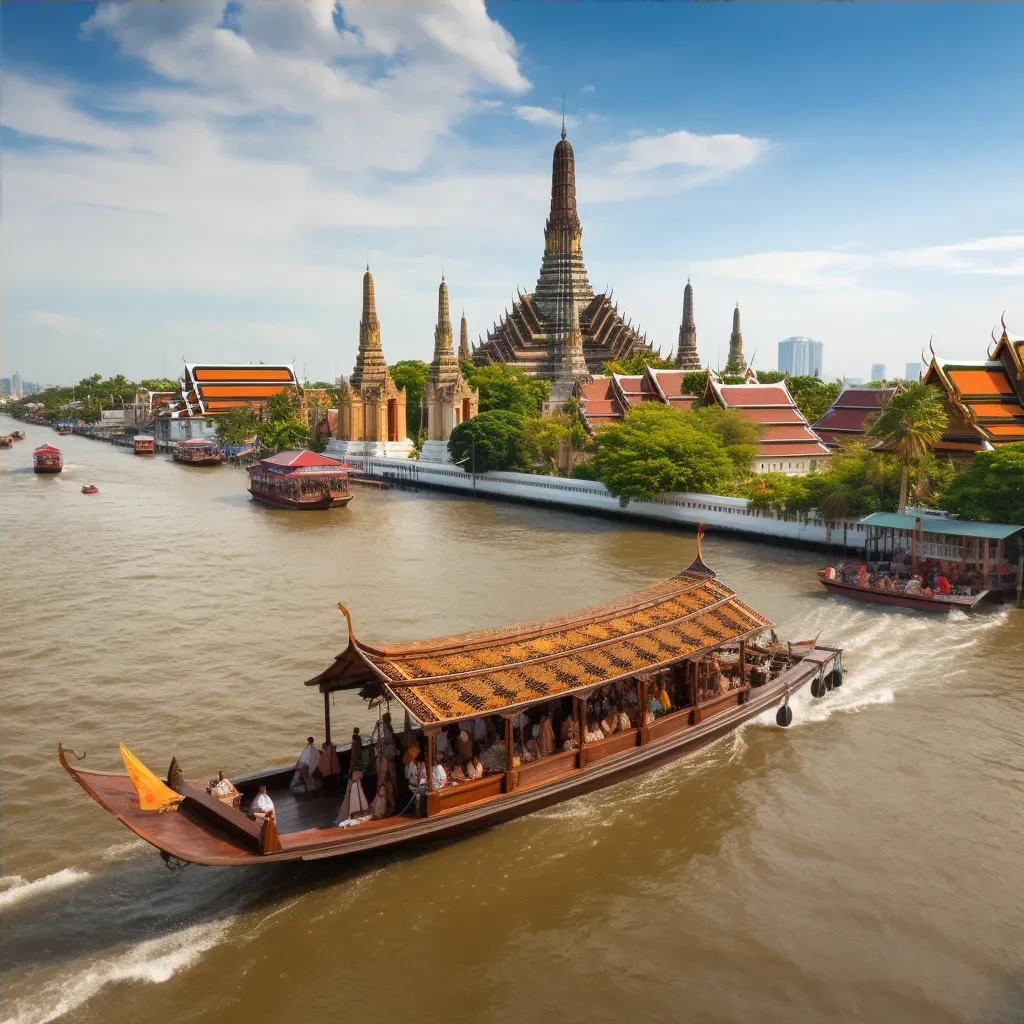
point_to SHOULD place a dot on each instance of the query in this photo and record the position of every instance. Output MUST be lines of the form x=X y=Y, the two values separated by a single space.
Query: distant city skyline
x=164 y=197
x=877 y=371
x=800 y=357
x=912 y=371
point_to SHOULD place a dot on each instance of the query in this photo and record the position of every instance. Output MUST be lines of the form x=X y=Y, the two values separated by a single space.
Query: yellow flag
x=154 y=795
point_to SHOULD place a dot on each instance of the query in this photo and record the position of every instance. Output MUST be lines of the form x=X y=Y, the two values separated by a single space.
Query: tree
x=236 y=426
x=540 y=442
x=284 y=435
x=695 y=383
x=737 y=435
x=657 y=449
x=510 y=388
x=770 y=376
x=812 y=396
x=991 y=489
x=634 y=366
x=909 y=426
x=158 y=384
x=492 y=440
x=411 y=374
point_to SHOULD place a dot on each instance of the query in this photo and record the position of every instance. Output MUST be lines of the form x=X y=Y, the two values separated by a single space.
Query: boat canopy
x=302 y=459
x=940 y=524
x=496 y=670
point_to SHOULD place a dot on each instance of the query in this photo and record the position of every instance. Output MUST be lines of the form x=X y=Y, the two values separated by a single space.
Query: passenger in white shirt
x=440 y=775
x=262 y=806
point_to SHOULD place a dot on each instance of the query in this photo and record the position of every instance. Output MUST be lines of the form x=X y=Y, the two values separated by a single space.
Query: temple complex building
x=686 y=353
x=984 y=400
x=447 y=399
x=787 y=443
x=737 y=362
x=371 y=407
x=606 y=400
x=562 y=330
x=849 y=416
x=465 y=356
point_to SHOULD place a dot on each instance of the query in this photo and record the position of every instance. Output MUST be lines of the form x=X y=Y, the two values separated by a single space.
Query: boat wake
x=122 y=851
x=154 y=961
x=14 y=889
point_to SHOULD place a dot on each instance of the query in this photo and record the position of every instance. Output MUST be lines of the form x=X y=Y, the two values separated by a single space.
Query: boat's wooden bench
x=260 y=837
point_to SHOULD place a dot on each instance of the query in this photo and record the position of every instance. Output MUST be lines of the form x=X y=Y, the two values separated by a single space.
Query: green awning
x=939 y=524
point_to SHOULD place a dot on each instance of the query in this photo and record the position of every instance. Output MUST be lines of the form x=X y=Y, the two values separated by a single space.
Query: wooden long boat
x=300 y=480
x=198 y=452
x=936 y=604
x=6 y=440
x=47 y=459
x=667 y=635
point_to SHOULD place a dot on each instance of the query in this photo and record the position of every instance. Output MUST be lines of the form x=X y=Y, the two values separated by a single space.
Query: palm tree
x=909 y=426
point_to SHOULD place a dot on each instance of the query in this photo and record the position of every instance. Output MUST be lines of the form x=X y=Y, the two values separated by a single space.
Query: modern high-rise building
x=16 y=385
x=913 y=371
x=5 y=386
x=877 y=371
x=800 y=357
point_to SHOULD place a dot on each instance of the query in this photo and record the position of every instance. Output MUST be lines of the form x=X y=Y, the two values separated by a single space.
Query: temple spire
x=370 y=362
x=464 y=353
x=444 y=355
x=686 y=353
x=563 y=233
x=737 y=363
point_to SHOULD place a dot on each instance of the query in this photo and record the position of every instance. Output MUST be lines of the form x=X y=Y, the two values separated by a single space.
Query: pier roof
x=495 y=670
x=940 y=524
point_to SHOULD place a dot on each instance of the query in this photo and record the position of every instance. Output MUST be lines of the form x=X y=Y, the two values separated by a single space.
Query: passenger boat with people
x=6 y=441
x=498 y=723
x=47 y=459
x=64 y=429
x=198 y=452
x=144 y=444
x=931 y=563
x=90 y=489
x=300 y=479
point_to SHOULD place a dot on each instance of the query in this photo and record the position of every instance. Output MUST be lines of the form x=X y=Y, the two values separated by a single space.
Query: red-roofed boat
x=47 y=459
x=6 y=441
x=689 y=637
x=300 y=479
x=198 y=452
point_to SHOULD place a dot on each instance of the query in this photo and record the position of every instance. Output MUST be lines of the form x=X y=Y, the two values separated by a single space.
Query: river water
x=864 y=865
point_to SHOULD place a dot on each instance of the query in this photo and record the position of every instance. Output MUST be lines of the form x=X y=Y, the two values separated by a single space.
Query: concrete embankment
x=720 y=513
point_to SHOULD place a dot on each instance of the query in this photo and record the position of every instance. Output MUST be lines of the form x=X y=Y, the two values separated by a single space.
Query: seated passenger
x=654 y=706
x=624 y=724
x=384 y=799
x=663 y=698
x=570 y=734
x=942 y=585
x=546 y=738
x=304 y=780
x=610 y=722
x=475 y=768
x=594 y=731
x=329 y=764
x=416 y=772
x=262 y=806
x=440 y=776
x=463 y=746
x=354 y=803
x=224 y=790
x=457 y=774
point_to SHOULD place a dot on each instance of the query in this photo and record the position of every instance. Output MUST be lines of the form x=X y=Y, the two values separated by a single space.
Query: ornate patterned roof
x=493 y=670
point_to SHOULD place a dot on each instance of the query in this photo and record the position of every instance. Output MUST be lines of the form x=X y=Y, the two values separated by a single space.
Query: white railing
x=718 y=511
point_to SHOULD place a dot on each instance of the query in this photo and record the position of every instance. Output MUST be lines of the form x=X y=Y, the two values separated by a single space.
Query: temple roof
x=496 y=670
x=606 y=400
x=785 y=431
x=849 y=415
x=211 y=388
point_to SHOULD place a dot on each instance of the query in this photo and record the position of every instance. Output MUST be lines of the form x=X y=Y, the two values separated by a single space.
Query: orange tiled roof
x=213 y=388
x=986 y=396
x=493 y=670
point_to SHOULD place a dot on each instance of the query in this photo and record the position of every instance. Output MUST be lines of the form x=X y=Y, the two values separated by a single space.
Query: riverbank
x=720 y=513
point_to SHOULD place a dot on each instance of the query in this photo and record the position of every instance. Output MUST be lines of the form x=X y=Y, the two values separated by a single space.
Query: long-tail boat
x=144 y=444
x=198 y=452
x=683 y=634
x=47 y=459
x=931 y=563
x=300 y=479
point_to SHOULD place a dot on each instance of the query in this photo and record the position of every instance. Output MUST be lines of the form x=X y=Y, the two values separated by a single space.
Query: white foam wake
x=121 y=851
x=16 y=889
x=154 y=961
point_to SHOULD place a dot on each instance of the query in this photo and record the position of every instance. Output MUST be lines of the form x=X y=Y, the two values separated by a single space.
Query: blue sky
x=206 y=179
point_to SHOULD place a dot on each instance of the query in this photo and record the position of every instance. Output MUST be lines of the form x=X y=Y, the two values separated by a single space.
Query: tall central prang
x=562 y=331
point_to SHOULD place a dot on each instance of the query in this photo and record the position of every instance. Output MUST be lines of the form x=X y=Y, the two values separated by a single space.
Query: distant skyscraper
x=800 y=357
x=878 y=371
x=854 y=382
x=16 y=385
x=913 y=371
x=5 y=386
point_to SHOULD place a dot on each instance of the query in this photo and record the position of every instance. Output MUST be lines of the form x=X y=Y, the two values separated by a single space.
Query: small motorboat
x=90 y=489
x=17 y=435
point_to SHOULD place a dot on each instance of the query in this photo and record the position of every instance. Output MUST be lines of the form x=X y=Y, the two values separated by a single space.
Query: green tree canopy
x=656 y=449
x=237 y=425
x=991 y=489
x=909 y=427
x=634 y=366
x=411 y=374
x=695 y=383
x=509 y=388
x=540 y=441
x=497 y=435
x=158 y=384
x=737 y=435
x=770 y=376
x=812 y=396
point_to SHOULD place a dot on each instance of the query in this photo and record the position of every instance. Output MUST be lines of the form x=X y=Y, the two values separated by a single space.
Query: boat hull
x=334 y=501
x=937 y=605
x=48 y=469
x=190 y=837
x=212 y=461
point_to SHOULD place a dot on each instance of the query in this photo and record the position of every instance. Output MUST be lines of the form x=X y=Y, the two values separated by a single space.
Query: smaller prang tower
x=686 y=354
x=737 y=363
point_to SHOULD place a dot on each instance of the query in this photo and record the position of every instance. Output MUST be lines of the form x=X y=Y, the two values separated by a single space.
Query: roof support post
x=579 y=705
x=429 y=737
x=641 y=693
x=510 y=780
x=327 y=717
x=984 y=582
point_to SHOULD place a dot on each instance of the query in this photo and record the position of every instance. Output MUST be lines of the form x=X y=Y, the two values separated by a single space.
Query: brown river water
x=864 y=865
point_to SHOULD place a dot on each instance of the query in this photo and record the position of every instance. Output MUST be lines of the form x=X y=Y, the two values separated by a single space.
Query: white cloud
x=720 y=154
x=587 y=89
x=542 y=116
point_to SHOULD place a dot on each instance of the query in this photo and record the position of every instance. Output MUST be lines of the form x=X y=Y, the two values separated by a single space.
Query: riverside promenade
x=720 y=513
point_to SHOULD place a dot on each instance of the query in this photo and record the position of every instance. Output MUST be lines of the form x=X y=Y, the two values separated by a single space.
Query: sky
x=206 y=181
